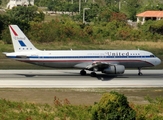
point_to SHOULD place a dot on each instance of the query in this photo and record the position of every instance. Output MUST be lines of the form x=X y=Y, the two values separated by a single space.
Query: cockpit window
x=152 y=56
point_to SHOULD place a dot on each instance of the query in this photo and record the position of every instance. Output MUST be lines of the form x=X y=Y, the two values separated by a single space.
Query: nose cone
x=157 y=62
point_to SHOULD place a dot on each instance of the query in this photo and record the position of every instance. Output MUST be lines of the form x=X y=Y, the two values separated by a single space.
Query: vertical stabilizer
x=20 y=42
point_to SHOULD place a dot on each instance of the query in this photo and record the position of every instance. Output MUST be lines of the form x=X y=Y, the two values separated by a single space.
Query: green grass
x=48 y=18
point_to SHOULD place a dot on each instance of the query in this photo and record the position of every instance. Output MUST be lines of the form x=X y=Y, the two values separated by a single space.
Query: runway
x=72 y=79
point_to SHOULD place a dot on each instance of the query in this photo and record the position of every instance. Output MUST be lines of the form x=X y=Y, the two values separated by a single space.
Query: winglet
x=20 y=42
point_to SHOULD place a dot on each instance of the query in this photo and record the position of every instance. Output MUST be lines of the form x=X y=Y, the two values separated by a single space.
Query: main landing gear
x=139 y=72
x=93 y=74
x=83 y=72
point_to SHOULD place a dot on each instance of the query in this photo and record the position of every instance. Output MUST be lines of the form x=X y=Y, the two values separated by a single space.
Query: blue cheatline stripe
x=22 y=44
x=75 y=57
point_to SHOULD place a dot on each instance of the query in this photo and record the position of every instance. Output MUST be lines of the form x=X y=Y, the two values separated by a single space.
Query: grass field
x=77 y=96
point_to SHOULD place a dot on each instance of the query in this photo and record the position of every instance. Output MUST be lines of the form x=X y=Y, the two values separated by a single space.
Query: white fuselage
x=71 y=58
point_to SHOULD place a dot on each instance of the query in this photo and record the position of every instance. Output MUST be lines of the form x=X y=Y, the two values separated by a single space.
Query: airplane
x=105 y=61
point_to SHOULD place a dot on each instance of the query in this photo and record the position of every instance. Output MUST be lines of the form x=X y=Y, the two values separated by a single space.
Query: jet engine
x=114 y=69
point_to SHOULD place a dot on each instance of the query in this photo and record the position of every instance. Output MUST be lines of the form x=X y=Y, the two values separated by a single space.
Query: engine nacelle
x=114 y=69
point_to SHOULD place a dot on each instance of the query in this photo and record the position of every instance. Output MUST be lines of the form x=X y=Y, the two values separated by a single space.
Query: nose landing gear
x=139 y=72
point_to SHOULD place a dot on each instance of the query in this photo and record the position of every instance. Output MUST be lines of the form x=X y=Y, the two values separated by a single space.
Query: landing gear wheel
x=93 y=74
x=140 y=73
x=83 y=72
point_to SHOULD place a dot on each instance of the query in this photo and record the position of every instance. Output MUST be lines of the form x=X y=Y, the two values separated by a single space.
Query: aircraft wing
x=98 y=65
x=95 y=64
x=83 y=65
x=105 y=67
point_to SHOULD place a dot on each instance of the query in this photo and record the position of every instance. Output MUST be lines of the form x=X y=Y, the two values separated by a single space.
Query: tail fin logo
x=14 y=31
x=20 y=39
x=22 y=44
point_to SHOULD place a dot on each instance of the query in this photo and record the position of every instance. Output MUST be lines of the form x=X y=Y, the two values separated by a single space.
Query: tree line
x=105 y=22
x=129 y=7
